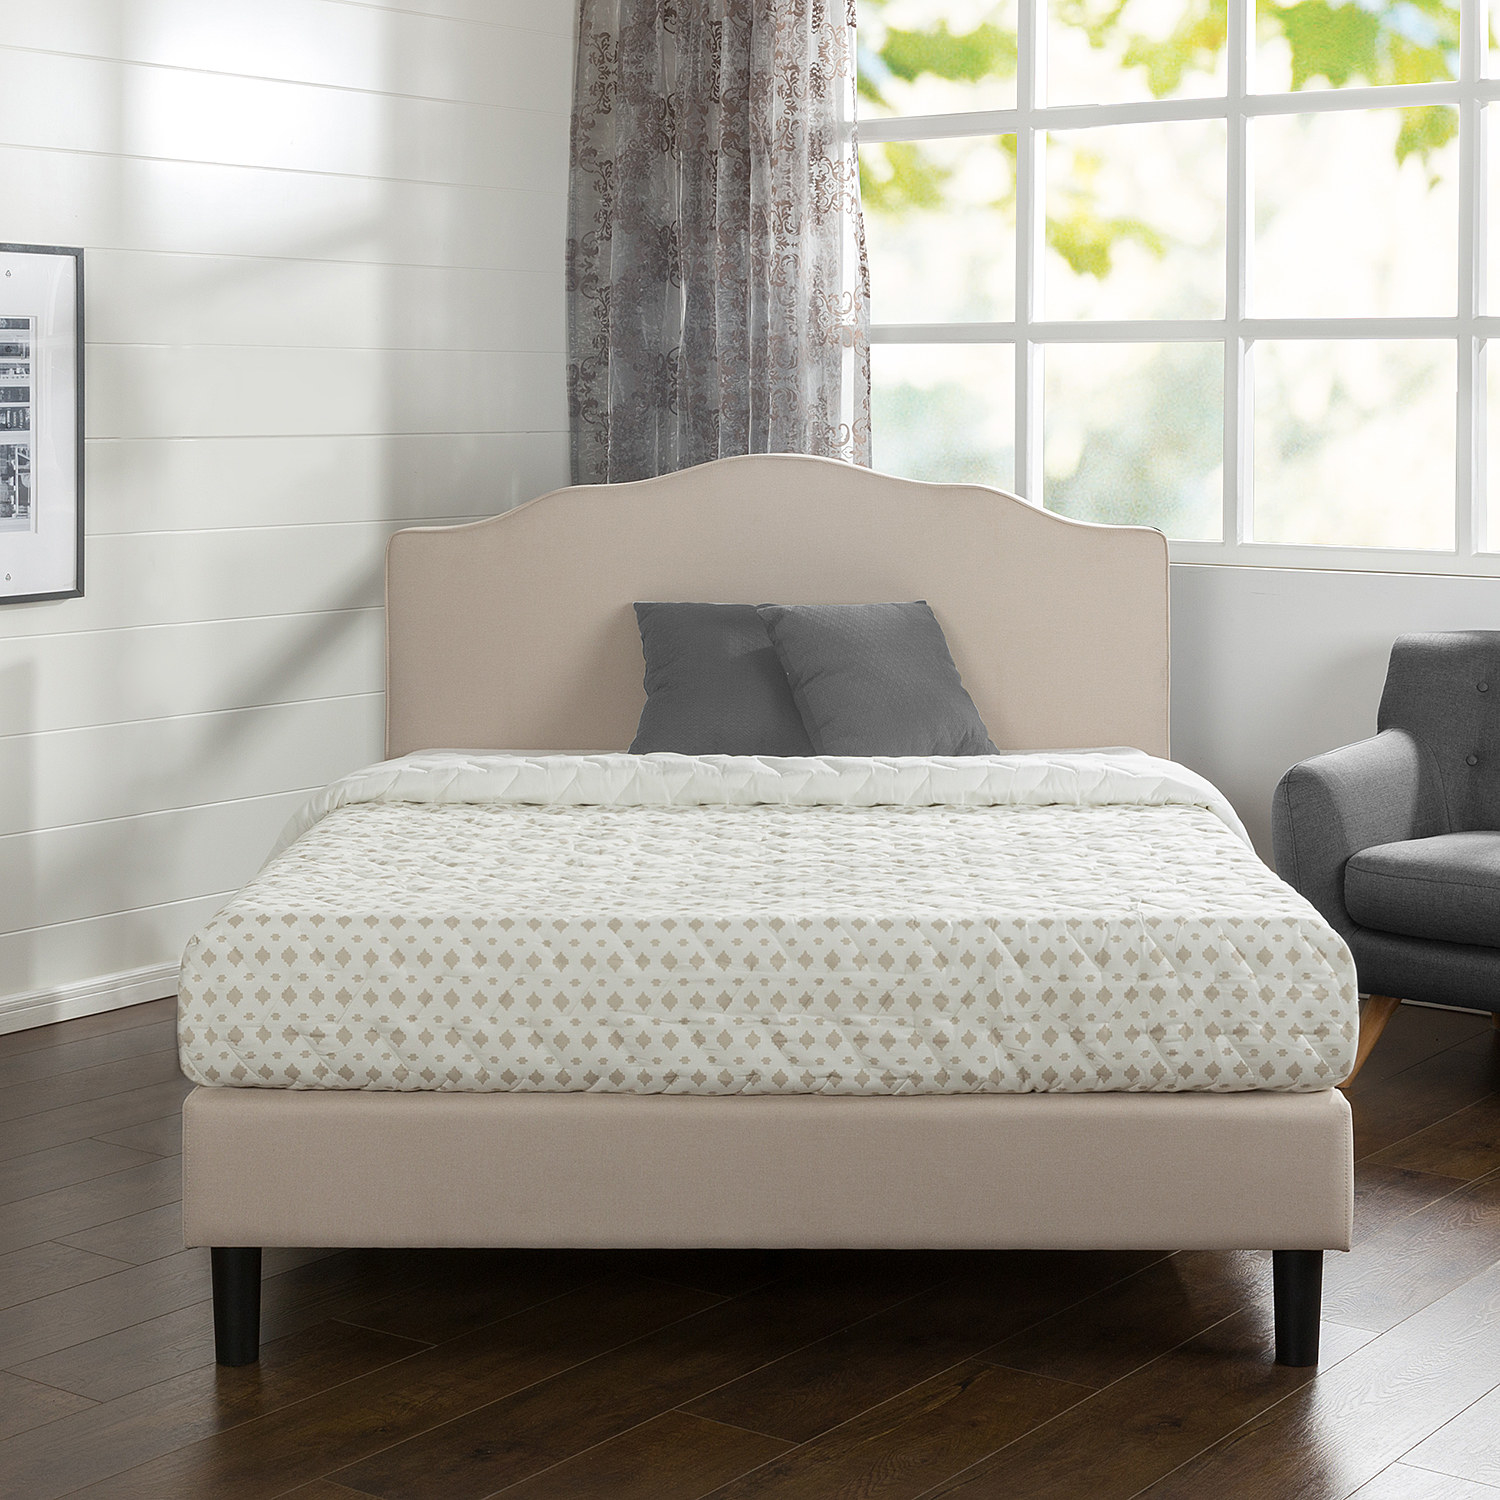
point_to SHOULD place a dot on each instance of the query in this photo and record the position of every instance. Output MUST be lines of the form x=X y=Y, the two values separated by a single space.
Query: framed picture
x=41 y=422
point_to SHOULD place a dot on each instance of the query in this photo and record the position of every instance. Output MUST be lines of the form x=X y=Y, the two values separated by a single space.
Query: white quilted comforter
x=718 y=925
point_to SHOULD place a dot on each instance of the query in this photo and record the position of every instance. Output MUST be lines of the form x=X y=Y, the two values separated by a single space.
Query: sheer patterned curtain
x=718 y=294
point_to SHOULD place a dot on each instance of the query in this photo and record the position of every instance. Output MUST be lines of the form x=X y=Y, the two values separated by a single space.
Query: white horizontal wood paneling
x=143 y=298
x=550 y=15
x=69 y=681
x=64 y=197
x=351 y=47
x=324 y=300
x=152 y=765
x=91 y=869
x=176 y=390
x=164 y=484
x=159 y=578
x=50 y=957
x=81 y=104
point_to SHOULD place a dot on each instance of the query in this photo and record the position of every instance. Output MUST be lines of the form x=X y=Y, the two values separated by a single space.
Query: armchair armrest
x=1378 y=791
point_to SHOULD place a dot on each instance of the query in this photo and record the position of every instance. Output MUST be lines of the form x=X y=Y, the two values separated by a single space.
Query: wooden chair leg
x=1373 y=1016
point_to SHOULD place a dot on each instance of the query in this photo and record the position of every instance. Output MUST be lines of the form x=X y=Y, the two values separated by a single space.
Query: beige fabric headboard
x=517 y=632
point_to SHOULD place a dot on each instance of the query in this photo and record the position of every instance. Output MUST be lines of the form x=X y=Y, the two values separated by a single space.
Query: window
x=1217 y=268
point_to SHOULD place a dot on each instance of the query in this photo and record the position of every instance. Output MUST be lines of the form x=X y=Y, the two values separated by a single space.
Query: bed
x=409 y=1030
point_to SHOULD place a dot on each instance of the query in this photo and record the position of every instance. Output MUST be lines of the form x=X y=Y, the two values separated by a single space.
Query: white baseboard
x=90 y=997
x=1462 y=1010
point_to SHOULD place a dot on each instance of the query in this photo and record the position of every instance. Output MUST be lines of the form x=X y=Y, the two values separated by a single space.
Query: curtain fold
x=718 y=293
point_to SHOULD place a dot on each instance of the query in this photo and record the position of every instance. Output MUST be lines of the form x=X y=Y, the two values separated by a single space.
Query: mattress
x=735 y=925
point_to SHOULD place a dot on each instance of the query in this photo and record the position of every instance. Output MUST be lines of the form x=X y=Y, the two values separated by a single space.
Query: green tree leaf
x=1194 y=44
x=899 y=176
x=1425 y=129
x=1088 y=241
x=963 y=57
x=1336 y=42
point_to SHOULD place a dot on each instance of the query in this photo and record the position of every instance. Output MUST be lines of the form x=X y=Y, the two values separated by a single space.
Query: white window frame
x=1467 y=330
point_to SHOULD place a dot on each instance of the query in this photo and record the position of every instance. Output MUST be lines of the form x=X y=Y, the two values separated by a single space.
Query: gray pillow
x=875 y=679
x=713 y=684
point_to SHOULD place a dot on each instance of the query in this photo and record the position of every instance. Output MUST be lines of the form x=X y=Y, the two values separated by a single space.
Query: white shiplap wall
x=324 y=282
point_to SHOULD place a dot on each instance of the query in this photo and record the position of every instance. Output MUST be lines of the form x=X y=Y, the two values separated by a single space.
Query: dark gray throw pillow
x=714 y=685
x=875 y=679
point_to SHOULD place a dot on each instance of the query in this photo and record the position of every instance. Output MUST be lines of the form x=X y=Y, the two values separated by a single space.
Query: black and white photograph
x=41 y=423
x=16 y=511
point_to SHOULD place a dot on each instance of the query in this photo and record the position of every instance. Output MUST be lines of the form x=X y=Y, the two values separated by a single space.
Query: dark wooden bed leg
x=236 y=1274
x=1297 y=1277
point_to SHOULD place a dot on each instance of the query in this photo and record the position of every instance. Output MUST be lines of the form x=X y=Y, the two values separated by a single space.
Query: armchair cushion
x=1446 y=887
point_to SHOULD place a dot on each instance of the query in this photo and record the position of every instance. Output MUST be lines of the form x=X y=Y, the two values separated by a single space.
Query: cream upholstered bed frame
x=518 y=633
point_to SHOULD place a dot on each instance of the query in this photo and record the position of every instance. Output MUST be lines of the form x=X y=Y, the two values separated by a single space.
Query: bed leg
x=1297 y=1276
x=236 y=1275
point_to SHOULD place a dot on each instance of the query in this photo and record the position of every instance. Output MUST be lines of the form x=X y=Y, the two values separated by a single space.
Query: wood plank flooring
x=745 y=1376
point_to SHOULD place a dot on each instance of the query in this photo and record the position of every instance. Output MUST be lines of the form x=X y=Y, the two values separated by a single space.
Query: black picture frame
x=75 y=591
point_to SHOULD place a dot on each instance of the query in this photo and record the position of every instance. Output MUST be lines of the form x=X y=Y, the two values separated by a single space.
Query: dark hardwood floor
x=632 y=1376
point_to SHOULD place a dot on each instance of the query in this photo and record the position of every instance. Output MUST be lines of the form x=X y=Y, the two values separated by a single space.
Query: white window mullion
x=1146 y=111
x=1031 y=229
x=1478 y=464
x=1178 y=330
x=1472 y=426
x=1238 y=390
x=1030 y=233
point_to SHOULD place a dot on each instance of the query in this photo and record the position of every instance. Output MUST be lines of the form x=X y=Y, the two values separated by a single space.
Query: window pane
x=1135 y=221
x=1354 y=443
x=927 y=57
x=1354 y=215
x=945 y=412
x=940 y=225
x=1134 y=433
x=1313 y=45
x=1103 y=51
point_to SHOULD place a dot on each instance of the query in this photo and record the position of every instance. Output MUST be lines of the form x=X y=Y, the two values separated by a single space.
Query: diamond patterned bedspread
x=717 y=925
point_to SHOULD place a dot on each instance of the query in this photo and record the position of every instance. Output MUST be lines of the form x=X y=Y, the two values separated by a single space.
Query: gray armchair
x=1396 y=839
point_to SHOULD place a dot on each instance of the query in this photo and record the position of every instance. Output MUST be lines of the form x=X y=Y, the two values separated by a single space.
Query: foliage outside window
x=1216 y=266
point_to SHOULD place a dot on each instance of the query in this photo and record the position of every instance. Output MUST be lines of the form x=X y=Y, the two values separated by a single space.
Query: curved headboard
x=517 y=632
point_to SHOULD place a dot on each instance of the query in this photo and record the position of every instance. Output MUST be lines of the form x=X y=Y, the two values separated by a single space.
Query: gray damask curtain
x=718 y=296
